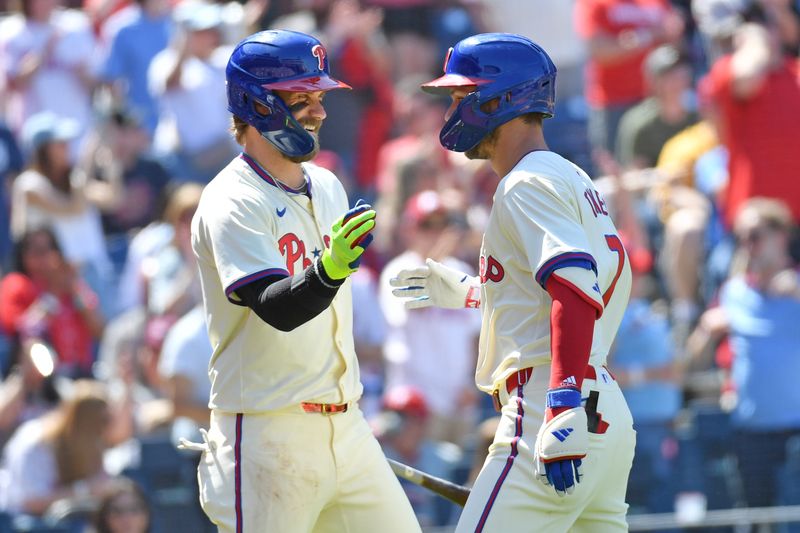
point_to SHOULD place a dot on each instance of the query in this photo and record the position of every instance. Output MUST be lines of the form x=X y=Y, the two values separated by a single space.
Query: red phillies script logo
x=293 y=249
x=319 y=52
x=491 y=269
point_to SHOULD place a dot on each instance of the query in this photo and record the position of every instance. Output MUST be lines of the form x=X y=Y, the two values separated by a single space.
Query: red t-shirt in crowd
x=761 y=135
x=64 y=326
x=621 y=82
x=359 y=71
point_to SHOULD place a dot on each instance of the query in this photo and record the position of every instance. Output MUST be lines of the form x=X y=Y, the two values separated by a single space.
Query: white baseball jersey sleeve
x=547 y=217
x=247 y=227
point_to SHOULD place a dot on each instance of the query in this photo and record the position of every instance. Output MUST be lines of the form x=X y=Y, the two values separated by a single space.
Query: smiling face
x=307 y=109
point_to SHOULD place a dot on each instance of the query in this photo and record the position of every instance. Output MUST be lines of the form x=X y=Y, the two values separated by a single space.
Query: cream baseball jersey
x=547 y=217
x=249 y=226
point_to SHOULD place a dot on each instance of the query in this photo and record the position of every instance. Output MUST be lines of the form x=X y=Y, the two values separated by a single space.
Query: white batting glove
x=436 y=285
x=561 y=444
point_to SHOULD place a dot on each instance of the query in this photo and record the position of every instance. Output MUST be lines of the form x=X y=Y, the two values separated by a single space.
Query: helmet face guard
x=469 y=124
x=509 y=68
x=277 y=60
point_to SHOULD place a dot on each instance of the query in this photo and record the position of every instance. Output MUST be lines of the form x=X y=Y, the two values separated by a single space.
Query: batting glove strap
x=563 y=397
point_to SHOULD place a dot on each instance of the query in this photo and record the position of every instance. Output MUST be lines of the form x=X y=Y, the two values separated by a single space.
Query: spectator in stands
x=757 y=311
x=60 y=455
x=10 y=165
x=423 y=341
x=619 y=34
x=359 y=121
x=645 y=128
x=51 y=194
x=47 y=53
x=402 y=431
x=369 y=336
x=408 y=26
x=752 y=94
x=418 y=119
x=187 y=76
x=26 y=392
x=171 y=279
x=44 y=298
x=168 y=280
x=128 y=361
x=183 y=368
x=785 y=14
x=716 y=22
x=146 y=243
x=145 y=33
x=123 y=509
x=101 y=12
x=123 y=181
x=643 y=360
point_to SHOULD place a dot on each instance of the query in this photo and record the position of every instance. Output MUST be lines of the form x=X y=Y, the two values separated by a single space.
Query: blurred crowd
x=114 y=116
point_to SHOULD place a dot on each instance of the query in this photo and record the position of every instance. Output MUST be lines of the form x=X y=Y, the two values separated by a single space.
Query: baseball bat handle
x=455 y=493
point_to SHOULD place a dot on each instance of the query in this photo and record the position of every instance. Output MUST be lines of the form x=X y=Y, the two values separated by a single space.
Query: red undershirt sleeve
x=571 y=330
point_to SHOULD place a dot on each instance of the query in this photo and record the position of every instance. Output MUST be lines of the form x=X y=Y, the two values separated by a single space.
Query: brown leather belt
x=324 y=408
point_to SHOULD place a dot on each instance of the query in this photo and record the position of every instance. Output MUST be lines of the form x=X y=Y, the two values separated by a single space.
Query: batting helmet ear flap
x=279 y=127
x=473 y=119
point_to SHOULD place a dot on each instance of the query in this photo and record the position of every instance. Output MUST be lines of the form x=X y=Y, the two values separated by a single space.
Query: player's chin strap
x=206 y=446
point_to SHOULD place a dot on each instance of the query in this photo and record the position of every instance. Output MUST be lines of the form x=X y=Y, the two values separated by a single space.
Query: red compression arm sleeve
x=571 y=330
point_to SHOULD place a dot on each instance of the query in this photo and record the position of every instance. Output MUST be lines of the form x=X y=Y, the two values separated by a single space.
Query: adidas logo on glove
x=562 y=434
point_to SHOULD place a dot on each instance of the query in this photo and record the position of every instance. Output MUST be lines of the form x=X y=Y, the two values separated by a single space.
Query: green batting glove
x=350 y=236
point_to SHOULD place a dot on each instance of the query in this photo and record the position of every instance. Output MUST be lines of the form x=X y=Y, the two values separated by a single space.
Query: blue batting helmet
x=503 y=66
x=277 y=60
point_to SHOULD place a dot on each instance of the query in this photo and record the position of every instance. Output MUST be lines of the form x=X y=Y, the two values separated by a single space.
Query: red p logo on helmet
x=319 y=52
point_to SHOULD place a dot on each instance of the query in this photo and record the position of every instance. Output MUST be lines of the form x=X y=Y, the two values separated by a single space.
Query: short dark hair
x=530 y=118
x=121 y=486
x=238 y=128
x=22 y=244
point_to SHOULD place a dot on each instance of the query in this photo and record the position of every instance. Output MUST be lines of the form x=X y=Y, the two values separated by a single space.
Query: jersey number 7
x=615 y=245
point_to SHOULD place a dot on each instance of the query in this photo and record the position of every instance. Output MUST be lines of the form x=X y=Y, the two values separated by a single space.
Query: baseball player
x=554 y=282
x=288 y=449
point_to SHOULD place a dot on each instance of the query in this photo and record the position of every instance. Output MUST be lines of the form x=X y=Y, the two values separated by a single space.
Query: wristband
x=322 y=276
x=564 y=397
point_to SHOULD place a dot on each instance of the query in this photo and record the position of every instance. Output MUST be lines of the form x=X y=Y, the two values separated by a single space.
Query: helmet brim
x=443 y=84
x=302 y=85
